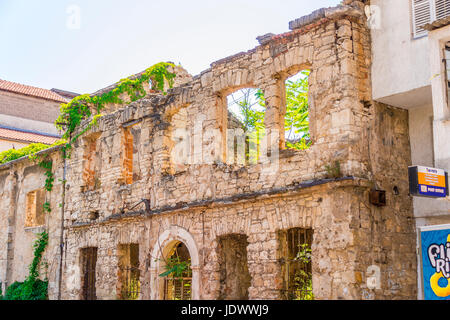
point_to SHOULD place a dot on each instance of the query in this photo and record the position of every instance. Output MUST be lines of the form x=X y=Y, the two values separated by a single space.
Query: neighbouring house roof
x=18 y=135
x=66 y=94
x=30 y=91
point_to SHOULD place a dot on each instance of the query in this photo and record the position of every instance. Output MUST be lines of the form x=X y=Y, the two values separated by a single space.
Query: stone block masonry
x=230 y=216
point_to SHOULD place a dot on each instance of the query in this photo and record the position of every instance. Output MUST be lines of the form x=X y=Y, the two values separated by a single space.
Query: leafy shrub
x=28 y=290
x=32 y=288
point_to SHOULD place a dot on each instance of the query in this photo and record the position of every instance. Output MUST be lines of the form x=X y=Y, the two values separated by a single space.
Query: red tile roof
x=21 y=136
x=30 y=91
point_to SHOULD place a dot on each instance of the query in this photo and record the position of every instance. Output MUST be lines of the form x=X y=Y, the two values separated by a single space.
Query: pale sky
x=44 y=44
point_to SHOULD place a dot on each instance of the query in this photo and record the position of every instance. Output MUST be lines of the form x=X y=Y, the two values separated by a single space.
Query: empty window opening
x=235 y=278
x=178 y=274
x=35 y=215
x=88 y=277
x=245 y=129
x=129 y=285
x=179 y=142
x=91 y=163
x=297 y=134
x=296 y=267
x=130 y=154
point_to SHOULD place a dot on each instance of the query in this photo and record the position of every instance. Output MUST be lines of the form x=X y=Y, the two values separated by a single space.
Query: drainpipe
x=61 y=237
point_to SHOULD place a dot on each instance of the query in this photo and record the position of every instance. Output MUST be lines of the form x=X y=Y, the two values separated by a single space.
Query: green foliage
x=175 y=267
x=334 y=170
x=32 y=288
x=297 y=113
x=30 y=151
x=47 y=165
x=21 y=291
x=47 y=207
x=81 y=107
x=68 y=146
x=131 y=292
x=302 y=278
x=251 y=109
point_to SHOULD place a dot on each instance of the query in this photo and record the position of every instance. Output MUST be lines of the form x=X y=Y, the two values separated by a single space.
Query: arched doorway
x=175 y=245
x=178 y=274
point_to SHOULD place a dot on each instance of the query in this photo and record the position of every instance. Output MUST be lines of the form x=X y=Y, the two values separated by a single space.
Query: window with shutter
x=427 y=11
x=422 y=14
x=442 y=9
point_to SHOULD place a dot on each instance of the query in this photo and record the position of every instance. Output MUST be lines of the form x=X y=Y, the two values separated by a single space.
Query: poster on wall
x=435 y=262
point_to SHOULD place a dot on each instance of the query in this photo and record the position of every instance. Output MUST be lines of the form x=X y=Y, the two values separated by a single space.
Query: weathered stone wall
x=17 y=179
x=142 y=195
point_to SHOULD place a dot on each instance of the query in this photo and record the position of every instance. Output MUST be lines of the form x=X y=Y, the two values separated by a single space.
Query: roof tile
x=17 y=135
x=30 y=91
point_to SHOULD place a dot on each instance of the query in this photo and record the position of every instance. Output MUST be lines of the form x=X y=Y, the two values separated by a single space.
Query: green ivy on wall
x=32 y=288
x=81 y=107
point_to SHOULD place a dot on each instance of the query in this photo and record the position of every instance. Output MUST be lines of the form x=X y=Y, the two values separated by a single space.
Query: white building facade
x=410 y=71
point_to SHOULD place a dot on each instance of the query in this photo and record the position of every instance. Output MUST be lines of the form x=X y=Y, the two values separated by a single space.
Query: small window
x=35 y=216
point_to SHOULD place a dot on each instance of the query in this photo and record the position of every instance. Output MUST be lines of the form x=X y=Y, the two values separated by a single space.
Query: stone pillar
x=275 y=111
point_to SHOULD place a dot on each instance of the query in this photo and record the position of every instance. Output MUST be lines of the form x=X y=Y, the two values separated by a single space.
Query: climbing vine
x=32 y=288
x=82 y=107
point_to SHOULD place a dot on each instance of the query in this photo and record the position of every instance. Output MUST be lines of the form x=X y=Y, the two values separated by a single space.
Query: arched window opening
x=297 y=133
x=246 y=129
x=178 y=274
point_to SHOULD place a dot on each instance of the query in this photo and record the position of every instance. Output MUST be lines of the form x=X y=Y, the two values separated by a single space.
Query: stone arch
x=162 y=246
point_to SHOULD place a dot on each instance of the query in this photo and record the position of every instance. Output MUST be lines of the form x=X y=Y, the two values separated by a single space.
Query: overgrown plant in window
x=248 y=106
x=303 y=278
x=297 y=112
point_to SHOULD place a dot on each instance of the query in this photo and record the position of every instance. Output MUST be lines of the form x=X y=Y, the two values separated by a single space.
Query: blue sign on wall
x=435 y=246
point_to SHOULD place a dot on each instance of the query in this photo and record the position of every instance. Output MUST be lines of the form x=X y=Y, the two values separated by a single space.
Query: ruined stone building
x=130 y=206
